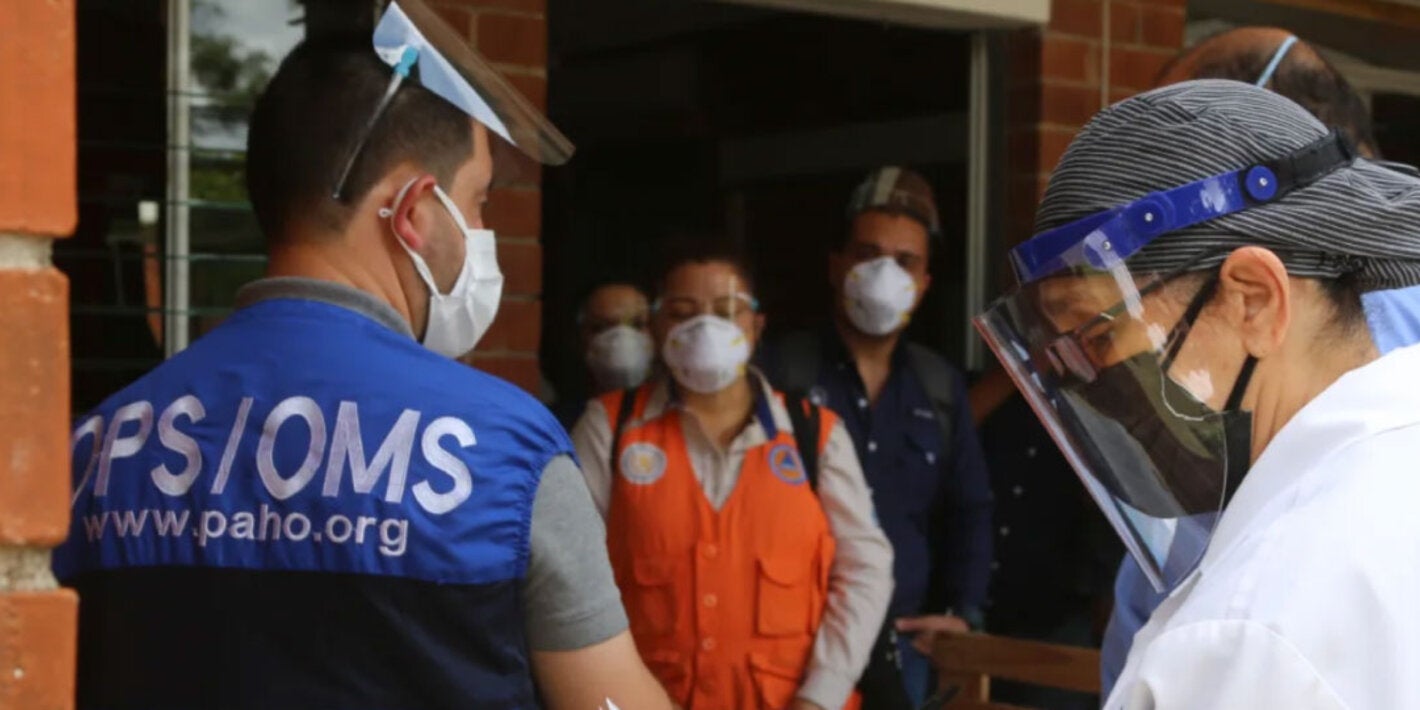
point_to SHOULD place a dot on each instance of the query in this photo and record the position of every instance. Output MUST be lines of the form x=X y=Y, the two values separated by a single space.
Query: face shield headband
x=1095 y=348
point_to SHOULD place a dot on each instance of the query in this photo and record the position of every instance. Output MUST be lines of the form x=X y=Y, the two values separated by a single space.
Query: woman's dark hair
x=703 y=248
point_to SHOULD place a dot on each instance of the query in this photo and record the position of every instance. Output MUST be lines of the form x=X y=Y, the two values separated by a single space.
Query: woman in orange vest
x=746 y=586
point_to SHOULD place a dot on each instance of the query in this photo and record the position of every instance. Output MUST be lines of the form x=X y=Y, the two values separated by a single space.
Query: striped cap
x=897 y=190
x=1363 y=218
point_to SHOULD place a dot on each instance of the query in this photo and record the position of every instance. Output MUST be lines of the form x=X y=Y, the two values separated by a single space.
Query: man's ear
x=1258 y=295
x=405 y=220
x=759 y=322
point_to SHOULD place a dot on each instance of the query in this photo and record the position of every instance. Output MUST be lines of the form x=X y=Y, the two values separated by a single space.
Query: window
x=166 y=235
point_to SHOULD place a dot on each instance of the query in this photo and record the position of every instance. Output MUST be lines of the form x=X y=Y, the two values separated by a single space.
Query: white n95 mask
x=619 y=357
x=459 y=318
x=878 y=296
x=706 y=354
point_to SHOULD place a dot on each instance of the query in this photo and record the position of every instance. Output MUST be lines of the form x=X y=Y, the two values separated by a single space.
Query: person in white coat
x=1188 y=326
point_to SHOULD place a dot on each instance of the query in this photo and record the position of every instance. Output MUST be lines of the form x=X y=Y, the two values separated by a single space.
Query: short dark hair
x=703 y=248
x=1304 y=76
x=584 y=296
x=306 y=124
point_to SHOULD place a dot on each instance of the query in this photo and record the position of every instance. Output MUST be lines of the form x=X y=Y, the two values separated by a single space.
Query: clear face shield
x=419 y=46
x=1098 y=349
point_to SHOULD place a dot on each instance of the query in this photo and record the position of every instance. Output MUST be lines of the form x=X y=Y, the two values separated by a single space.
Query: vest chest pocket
x=785 y=603
x=651 y=596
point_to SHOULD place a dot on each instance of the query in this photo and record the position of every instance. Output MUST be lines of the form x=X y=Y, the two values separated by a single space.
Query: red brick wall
x=37 y=203
x=1055 y=75
x=513 y=35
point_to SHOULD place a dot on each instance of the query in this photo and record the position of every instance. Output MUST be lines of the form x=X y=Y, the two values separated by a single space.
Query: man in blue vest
x=315 y=506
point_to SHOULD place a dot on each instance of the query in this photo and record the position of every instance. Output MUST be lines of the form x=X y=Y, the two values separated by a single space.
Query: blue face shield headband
x=1111 y=236
x=1097 y=347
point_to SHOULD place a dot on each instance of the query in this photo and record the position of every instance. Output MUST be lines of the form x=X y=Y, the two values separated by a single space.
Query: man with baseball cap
x=905 y=408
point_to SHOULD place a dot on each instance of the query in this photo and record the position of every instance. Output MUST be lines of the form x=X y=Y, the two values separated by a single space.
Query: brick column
x=513 y=35
x=1055 y=75
x=37 y=203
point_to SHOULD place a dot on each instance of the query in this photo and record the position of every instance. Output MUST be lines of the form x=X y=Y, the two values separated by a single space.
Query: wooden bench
x=970 y=661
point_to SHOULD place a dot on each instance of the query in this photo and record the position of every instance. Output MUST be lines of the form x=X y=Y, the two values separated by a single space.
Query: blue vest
x=305 y=508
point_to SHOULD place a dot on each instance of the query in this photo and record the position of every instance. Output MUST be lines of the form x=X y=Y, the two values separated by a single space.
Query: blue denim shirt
x=932 y=497
x=1394 y=320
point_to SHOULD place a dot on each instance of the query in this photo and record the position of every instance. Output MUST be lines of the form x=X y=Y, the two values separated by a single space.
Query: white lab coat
x=1309 y=593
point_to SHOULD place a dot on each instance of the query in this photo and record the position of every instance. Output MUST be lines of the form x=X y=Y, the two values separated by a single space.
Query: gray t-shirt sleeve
x=571 y=599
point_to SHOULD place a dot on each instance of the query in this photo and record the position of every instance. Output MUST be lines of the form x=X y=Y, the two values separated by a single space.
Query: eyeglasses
x=683 y=308
x=909 y=261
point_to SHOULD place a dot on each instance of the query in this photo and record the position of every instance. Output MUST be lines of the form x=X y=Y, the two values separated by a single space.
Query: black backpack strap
x=794 y=365
x=806 y=419
x=623 y=415
x=937 y=378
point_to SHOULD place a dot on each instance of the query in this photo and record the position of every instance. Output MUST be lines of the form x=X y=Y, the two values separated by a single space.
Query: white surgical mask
x=879 y=296
x=459 y=318
x=706 y=354
x=619 y=357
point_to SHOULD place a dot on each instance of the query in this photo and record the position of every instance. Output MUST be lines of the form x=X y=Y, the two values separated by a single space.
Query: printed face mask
x=619 y=357
x=879 y=296
x=706 y=354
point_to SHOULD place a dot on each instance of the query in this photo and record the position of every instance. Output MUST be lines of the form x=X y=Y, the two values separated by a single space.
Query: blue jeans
x=917 y=673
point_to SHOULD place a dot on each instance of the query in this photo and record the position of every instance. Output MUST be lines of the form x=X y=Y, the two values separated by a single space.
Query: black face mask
x=1155 y=446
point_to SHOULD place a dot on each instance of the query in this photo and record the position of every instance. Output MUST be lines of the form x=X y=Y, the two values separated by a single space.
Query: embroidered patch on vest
x=784 y=462
x=643 y=463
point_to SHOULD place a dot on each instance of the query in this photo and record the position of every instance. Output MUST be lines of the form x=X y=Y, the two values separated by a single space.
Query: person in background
x=315 y=505
x=1055 y=556
x=1274 y=59
x=613 y=326
x=906 y=410
x=739 y=524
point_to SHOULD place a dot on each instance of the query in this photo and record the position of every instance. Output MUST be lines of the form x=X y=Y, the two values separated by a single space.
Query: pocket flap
x=653 y=571
x=786 y=570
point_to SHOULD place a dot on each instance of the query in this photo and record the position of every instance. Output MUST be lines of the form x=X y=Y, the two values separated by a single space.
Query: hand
x=801 y=704
x=926 y=629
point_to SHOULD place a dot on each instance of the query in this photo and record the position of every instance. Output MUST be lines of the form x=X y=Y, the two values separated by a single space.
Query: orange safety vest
x=724 y=605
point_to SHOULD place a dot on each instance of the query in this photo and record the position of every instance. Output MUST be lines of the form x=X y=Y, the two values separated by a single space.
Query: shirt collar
x=769 y=412
x=837 y=351
x=1361 y=404
x=335 y=294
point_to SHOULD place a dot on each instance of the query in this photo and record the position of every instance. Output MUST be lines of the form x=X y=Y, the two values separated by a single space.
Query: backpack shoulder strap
x=795 y=364
x=624 y=409
x=938 y=379
x=805 y=417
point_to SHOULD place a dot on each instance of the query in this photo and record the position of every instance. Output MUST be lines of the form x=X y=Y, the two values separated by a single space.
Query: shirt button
x=711 y=600
x=707 y=644
x=1030 y=452
x=1018 y=491
x=711 y=551
x=995 y=565
x=862 y=403
x=1005 y=530
x=931 y=459
x=872 y=446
